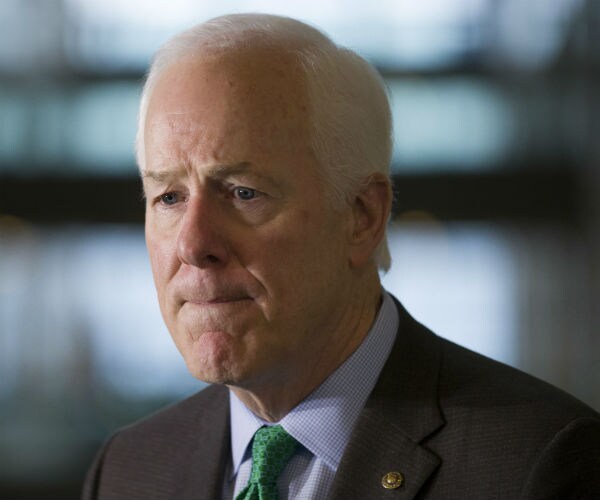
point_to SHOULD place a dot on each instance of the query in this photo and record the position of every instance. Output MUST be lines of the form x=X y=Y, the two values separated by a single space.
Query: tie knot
x=271 y=450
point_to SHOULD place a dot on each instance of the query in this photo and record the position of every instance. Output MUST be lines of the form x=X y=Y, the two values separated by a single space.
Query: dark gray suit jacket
x=455 y=424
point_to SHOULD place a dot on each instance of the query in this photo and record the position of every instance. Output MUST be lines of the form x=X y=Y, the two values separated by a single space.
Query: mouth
x=218 y=301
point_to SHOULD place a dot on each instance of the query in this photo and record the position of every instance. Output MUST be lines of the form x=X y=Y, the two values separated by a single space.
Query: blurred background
x=496 y=229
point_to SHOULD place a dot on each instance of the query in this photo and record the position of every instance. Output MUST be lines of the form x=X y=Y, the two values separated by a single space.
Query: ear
x=370 y=213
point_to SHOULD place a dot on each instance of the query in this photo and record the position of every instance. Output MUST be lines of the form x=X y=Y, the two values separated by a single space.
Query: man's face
x=249 y=262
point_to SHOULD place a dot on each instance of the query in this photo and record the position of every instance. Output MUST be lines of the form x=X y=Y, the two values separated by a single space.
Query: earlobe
x=371 y=210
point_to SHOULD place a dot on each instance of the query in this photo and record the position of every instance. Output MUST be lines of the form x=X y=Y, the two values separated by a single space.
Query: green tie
x=271 y=450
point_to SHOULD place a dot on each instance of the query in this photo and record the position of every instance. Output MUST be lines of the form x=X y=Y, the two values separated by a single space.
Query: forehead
x=262 y=82
x=255 y=96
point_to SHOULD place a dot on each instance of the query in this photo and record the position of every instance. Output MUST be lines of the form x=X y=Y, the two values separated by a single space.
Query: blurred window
x=397 y=33
x=459 y=280
x=440 y=124
x=450 y=124
x=83 y=63
x=72 y=130
x=90 y=304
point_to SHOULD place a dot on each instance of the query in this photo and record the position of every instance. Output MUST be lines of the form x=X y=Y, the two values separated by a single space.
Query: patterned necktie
x=271 y=450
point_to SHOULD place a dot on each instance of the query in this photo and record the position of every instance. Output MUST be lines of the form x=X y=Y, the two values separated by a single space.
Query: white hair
x=351 y=126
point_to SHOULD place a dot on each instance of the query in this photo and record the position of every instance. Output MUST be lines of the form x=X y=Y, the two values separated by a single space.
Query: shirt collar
x=324 y=420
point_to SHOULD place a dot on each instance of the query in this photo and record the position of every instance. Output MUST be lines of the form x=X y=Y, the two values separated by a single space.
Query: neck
x=272 y=401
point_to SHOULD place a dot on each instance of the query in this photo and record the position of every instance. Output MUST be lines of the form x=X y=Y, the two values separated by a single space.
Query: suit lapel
x=207 y=465
x=400 y=413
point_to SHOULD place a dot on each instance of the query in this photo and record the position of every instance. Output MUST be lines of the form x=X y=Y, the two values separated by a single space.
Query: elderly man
x=264 y=150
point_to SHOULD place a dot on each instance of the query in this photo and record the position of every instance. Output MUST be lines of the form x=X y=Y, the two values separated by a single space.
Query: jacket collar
x=400 y=413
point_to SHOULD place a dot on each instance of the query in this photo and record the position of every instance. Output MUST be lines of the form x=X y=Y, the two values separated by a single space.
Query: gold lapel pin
x=392 y=480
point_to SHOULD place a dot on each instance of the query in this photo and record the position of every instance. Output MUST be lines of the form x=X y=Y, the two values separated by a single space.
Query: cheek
x=297 y=256
x=163 y=259
x=284 y=248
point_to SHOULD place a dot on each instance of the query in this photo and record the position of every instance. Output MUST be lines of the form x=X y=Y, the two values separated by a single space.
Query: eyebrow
x=219 y=171
x=163 y=175
x=226 y=170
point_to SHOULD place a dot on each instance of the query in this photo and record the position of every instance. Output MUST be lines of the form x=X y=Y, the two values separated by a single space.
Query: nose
x=200 y=241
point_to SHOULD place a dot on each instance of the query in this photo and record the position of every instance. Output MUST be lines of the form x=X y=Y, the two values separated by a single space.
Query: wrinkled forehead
x=250 y=101
x=260 y=77
x=261 y=85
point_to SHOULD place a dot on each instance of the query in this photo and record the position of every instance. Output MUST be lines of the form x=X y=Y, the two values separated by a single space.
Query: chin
x=210 y=376
x=212 y=358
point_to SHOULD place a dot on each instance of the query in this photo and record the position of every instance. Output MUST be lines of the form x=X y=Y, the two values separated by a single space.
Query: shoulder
x=181 y=418
x=174 y=428
x=470 y=380
x=503 y=423
x=501 y=433
x=151 y=458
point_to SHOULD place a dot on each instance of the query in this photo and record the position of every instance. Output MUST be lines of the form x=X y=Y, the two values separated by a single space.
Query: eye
x=169 y=198
x=244 y=193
